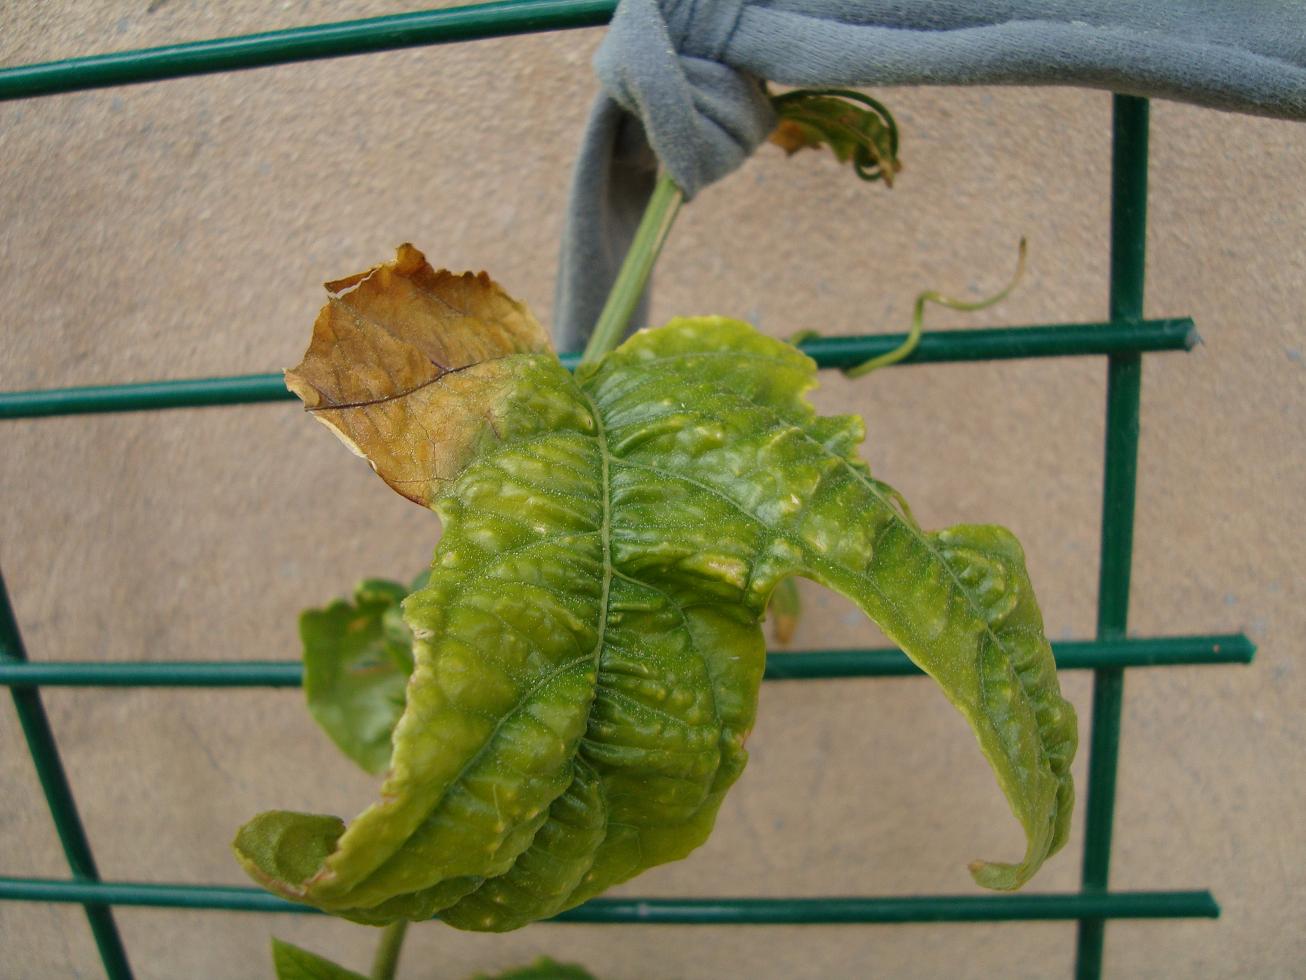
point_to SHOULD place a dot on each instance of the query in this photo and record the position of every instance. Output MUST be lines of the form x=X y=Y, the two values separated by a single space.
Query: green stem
x=918 y=320
x=635 y=269
x=386 y=960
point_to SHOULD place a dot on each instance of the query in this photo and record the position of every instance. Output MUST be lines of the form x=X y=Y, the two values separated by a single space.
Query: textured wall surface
x=182 y=229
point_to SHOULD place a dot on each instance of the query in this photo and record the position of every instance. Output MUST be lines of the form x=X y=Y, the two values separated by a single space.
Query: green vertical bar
x=1124 y=378
x=45 y=755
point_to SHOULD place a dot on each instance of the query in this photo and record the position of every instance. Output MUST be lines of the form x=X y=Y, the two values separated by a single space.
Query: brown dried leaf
x=402 y=356
x=792 y=137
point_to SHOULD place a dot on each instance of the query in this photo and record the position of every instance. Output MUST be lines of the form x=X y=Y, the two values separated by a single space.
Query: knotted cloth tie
x=683 y=84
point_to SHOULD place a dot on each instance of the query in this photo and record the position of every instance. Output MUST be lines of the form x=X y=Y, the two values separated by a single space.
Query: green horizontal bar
x=387 y=33
x=1010 y=343
x=682 y=911
x=927 y=908
x=257 y=673
x=1003 y=343
x=192 y=393
x=1161 y=651
x=789 y=665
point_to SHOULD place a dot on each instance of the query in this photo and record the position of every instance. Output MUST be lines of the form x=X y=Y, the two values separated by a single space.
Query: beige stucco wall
x=182 y=229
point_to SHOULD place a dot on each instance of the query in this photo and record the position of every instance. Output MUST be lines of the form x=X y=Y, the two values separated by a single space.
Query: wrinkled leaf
x=542 y=969
x=357 y=658
x=293 y=963
x=589 y=647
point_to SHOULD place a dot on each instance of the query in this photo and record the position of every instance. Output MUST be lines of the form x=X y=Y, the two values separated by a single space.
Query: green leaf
x=357 y=658
x=542 y=969
x=293 y=963
x=589 y=646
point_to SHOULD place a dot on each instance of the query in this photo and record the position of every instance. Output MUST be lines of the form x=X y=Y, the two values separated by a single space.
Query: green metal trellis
x=1124 y=338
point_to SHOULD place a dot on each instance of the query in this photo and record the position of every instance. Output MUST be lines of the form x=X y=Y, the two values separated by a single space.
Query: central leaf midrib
x=605 y=527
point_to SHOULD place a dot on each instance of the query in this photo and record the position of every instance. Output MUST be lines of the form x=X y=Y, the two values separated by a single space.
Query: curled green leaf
x=588 y=649
x=857 y=128
x=357 y=658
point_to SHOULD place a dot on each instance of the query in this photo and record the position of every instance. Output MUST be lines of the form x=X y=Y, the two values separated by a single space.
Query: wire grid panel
x=1123 y=339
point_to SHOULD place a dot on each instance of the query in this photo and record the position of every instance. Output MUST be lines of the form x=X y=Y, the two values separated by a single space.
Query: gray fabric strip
x=683 y=85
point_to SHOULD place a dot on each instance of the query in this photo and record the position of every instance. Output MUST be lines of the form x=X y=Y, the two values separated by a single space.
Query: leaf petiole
x=653 y=229
x=386 y=960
